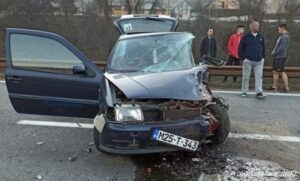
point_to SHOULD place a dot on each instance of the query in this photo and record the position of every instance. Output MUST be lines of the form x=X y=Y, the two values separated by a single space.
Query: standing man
x=252 y=52
x=233 y=46
x=209 y=44
x=280 y=54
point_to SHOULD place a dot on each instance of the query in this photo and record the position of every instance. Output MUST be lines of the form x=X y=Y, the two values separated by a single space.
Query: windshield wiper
x=154 y=19
x=123 y=71
x=130 y=33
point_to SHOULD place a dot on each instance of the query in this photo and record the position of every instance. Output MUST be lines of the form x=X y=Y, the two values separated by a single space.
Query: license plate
x=175 y=140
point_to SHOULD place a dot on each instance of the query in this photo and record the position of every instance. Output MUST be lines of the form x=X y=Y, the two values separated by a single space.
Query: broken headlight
x=128 y=112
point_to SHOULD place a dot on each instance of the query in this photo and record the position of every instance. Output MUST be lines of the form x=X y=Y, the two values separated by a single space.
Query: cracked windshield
x=158 y=53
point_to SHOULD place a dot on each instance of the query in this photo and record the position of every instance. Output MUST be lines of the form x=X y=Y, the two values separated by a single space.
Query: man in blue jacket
x=252 y=52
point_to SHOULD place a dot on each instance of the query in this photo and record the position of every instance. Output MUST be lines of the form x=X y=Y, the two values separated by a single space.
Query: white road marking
x=2 y=82
x=231 y=135
x=56 y=124
x=253 y=93
x=265 y=137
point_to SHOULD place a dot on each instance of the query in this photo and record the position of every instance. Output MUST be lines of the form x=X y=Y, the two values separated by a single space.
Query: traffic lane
x=60 y=140
x=276 y=115
x=53 y=153
x=57 y=154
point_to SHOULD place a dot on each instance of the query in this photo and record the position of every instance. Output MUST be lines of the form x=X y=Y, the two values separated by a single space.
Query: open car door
x=132 y=24
x=47 y=75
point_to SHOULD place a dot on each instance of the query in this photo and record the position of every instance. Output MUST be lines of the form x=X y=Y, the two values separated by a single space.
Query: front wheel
x=220 y=123
x=97 y=139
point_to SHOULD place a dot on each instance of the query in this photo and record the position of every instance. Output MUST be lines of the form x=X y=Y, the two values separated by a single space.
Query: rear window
x=146 y=25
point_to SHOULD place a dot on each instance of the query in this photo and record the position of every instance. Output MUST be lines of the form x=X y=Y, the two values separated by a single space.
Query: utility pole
x=169 y=8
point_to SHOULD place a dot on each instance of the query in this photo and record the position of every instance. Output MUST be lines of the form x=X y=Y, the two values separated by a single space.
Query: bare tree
x=67 y=7
x=128 y=5
x=137 y=6
x=254 y=8
x=154 y=7
x=291 y=9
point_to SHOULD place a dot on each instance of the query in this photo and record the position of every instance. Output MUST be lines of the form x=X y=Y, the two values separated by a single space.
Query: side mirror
x=79 y=69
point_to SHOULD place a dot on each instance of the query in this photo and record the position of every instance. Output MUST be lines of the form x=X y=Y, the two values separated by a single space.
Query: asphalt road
x=56 y=153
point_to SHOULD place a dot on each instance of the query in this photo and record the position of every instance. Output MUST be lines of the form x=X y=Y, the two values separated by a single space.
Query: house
x=193 y=8
x=120 y=7
x=189 y=8
x=152 y=7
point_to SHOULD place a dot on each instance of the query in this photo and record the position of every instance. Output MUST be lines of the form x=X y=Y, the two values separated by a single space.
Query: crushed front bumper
x=137 y=138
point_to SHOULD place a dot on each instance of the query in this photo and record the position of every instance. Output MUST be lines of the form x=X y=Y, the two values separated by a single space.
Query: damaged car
x=152 y=97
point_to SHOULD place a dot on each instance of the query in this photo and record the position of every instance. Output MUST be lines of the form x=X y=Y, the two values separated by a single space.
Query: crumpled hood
x=181 y=85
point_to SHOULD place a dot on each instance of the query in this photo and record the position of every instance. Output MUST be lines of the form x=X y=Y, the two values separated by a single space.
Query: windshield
x=158 y=53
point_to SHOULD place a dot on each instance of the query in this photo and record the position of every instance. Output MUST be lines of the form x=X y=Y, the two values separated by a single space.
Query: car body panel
x=181 y=84
x=47 y=93
x=136 y=138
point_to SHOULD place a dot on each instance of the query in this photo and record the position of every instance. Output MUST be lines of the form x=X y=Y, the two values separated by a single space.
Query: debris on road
x=205 y=177
x=211 y=165
x=72 y=158
x=253 y=169
x=91 y=144
x=40 y=143
x=88 y=150
x=196 y=159
x=39 y=177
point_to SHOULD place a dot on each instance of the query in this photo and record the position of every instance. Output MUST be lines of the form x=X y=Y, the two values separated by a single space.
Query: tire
x=221 y=114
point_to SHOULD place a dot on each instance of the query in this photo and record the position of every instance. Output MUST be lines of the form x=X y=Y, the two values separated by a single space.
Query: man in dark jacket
x=252 y=52
x=209 y=44
x=280 y=54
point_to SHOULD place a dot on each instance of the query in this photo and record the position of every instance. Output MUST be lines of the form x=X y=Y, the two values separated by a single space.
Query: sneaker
x=286 y=90
x=272 y=89
x=260 y=95
x=244 y=95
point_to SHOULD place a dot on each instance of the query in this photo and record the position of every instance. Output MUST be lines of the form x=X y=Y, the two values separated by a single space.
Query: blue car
x=152 y=97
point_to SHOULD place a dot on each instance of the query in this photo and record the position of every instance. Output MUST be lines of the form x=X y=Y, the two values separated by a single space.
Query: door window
x=42 y=54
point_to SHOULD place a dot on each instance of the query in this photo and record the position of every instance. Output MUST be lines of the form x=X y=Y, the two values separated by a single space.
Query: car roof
x=128 y=36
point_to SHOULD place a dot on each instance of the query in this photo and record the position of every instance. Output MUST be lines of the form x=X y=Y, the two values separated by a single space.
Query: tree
x=254 y=8
x=67 y=7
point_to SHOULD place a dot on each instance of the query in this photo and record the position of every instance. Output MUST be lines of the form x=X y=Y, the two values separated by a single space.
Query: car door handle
x=14 y=79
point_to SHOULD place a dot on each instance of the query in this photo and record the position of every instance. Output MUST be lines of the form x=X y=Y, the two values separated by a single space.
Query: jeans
x=257 y=67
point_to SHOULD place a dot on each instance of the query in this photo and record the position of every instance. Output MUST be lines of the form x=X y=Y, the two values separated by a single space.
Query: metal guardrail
x=292 y=72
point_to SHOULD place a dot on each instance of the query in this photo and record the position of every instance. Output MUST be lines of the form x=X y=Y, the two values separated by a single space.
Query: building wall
x=183 y=10
x=226 y=4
